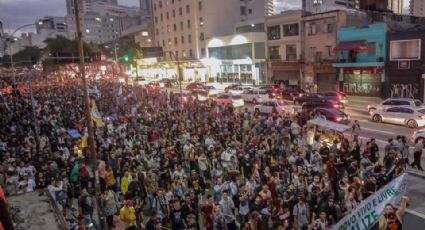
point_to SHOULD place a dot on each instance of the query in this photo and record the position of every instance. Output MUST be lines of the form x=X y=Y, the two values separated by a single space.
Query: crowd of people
x=168 y=163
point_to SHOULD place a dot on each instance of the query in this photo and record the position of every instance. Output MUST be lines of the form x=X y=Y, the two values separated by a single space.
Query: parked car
x=335 y=95
x=407 y=116
x=418 y=136
x=274 y=91
x=200 y=94
x=307 y=97
x=274 y=106
x=255 y=96
x=391 y=102
x=212 y=91
x=231 y=87
x=322 y=102
x=334 y=115
x=230 y=99
x=290 y=94
x=169 y=83
x=194 y=85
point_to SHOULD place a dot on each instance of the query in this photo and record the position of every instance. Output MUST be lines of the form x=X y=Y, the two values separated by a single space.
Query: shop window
x=405 y=50
x=273 y=32
x=290 y=30
x=371 y=48
x=291 y=52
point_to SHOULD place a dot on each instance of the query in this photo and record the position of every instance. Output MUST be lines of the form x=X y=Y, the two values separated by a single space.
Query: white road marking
x=379 y=131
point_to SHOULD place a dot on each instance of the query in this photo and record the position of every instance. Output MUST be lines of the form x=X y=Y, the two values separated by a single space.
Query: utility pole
x=89 y=118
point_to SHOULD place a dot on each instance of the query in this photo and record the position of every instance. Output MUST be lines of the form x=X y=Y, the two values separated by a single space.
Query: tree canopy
x=130 y=53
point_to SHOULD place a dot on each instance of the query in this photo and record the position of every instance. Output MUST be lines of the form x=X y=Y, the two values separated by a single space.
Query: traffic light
x=126 y=58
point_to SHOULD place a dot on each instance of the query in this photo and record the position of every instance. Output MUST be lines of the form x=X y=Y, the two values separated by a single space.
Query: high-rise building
x=85 y=5
x=319 y=6
x=396 y=6
x=183 y=27
x=417 y=8
x=146 y=5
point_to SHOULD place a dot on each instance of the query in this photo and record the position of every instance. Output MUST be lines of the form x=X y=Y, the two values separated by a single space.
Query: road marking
x=415 y=213
x=379 y=131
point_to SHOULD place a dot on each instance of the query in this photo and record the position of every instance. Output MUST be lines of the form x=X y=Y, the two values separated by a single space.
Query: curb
x=415 y=173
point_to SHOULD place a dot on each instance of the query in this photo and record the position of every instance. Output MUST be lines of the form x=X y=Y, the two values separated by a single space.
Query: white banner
x=367 y=213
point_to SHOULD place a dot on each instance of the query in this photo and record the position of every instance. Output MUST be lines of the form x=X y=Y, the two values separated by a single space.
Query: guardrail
x=62 y=223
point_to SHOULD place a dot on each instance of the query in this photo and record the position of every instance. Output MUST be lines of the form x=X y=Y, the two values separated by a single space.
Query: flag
x=97 y=118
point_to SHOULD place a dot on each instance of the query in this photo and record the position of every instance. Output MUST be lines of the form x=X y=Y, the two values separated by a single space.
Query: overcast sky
x=15 y=13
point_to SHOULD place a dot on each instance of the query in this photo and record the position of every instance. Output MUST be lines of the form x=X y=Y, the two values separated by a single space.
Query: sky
x=15 y=13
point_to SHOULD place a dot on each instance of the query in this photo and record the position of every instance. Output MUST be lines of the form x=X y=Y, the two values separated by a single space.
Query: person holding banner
x=392 y=218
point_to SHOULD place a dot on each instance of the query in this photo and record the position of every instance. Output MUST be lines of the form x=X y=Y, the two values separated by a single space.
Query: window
x=199 y=6
x=201 y=36
x=175 y=40
x=371 y=48
x=274 y=52
x=393 y=110
x=163 y=43
x=182 y=38
x=181 y=26
x=168 y=29
x=312 y=52
x=157 y=31
x=243 y=10
x=160 y=4
x=184 y=53
x=169 y=41
x=189 y=38
x=174 y=13
x=156 y=19
x=190 y=53
x=161 y=16
x=405 y=50
x=188 y=24
x=291 y=52
x=312 y=30
x=187 y=9
x=175 y=27
x=250 y=11
x=290 y=30
x=201 y=21
x=168 y=16
x=273 y=32
x=203 y=53
x=328 y=28
x=180 y=11
x=328 y=50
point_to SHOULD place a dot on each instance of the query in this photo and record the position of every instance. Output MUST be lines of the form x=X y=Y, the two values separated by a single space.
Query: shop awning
x=351 y=45
x=329 y=125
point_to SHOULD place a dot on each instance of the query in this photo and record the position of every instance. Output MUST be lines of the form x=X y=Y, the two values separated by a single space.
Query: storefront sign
x=403 y=64
x=366 y=215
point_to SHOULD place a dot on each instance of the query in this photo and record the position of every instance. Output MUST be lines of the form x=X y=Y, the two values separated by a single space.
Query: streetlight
x=10 y=48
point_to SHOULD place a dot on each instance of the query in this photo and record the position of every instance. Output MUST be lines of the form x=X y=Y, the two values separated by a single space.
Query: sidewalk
x=363 y=100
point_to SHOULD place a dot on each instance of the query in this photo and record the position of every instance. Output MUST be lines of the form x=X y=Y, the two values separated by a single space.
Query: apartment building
x=183 y=26
x=284 y=46
x=395 y=6
x=318 y=6
x=417 y=8
x=319 y=42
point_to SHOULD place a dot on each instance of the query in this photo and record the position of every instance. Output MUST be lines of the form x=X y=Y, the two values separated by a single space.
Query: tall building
x=146 y=5
x=318 y=6
x=417 y=8
x=182 y=27
x=396 y=6
x=85 y=5
x=103 y=21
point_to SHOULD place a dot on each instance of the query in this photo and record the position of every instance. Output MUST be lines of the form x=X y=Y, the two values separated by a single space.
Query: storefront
x=362 y=81
x=321 y=77
x=287 y=73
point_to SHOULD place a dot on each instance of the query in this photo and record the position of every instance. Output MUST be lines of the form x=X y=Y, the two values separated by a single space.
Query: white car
x=418 y=135
x=255 y=96
x=408 y=116
x=391 y=102
x=200 y=94
x=227 y=99
x=212 y=91
x=239 y=89
x=275 y=106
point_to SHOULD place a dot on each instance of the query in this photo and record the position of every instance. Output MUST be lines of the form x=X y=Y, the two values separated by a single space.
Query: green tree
x=64 y=47
x=29 y=56
x=130 y=53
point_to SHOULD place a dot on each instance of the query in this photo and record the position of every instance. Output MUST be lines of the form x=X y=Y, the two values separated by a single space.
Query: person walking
x=417 y=154
x=128 y=215
x=355 y=131
x=110 y=207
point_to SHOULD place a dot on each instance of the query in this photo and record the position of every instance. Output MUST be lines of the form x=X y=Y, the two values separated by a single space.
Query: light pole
x=10 y=48
x=88 y=113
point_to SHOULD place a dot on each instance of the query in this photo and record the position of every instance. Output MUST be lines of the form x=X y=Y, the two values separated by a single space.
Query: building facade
x=361 y=59
x=183 y=27
x=284 y=47
x=319 y=6
x=417 y=8
x=236 y=58
x=404 y=64
x=319 y=41
x=395 y=6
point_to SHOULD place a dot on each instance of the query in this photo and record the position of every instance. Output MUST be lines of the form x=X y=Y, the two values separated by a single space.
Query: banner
x=366 y=215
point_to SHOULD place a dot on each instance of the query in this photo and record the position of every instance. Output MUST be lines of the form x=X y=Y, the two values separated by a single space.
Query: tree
x=27 y=57
x=130 y=53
